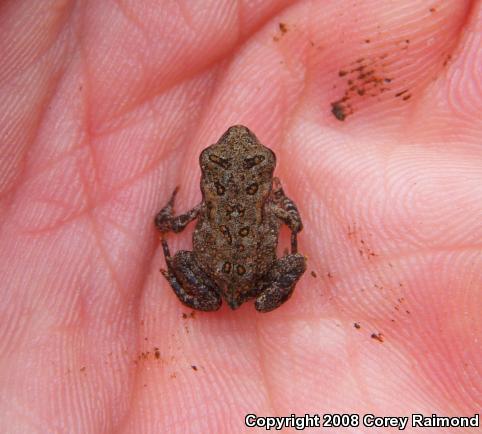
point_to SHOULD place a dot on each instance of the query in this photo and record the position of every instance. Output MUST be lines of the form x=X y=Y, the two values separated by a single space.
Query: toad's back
x=236 y=235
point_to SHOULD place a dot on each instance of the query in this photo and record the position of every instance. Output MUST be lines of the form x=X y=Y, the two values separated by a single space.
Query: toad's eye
x=253 y=161
x=225 y=164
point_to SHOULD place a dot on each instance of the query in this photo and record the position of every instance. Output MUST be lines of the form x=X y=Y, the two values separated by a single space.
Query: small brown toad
x=235 y=239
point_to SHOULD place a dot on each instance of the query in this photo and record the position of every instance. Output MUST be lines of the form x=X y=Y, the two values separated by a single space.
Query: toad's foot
x=165 y=220
x=189 y=282
x=283 y=278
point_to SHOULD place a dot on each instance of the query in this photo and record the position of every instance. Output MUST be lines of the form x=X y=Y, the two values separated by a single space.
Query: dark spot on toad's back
x=220 y=189
x=244 y=231
x=252 y=189
x=253 y=161
x=220 y=161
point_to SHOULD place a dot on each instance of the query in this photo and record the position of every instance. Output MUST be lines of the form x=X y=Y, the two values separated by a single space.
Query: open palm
x=373 y=109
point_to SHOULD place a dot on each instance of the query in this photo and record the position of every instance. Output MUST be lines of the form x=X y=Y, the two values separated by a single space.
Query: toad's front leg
x=282 y=281
x=165 y=220
x=285 y=209
x=191 y=285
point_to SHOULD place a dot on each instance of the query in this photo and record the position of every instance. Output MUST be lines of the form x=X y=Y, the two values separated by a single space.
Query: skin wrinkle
x=49 y=95
x=212 y=64
x=129 y=14
x=393 y=255
x=362 y=385
x=103 y=253
x=384 y=260
x=239 y=12
x=186 y=15
x=207 y=102
x=264 y=373
x=55 y=39
x=11 y=193
x=130 y=235
x=96 y=231
x=107 y=197
x=136 y=373
x=456 y=48
x=22 y=413
x=354 y=356
x=291 y=114
x=85 y=74
x=37 y=57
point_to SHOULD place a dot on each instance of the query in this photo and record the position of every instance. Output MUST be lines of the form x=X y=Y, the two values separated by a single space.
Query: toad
x=236 y=234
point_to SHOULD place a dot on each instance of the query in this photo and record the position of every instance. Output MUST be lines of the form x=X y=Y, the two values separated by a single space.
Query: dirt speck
x=313 y=273
x=283 y=28
x=365 y=77
x=189 y=315
x=144 y=355
x=338 y=110
x=378 y=337
x=194 y=367
x=357 y=325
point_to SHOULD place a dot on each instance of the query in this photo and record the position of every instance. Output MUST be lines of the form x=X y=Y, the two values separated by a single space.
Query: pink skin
x=105 y=109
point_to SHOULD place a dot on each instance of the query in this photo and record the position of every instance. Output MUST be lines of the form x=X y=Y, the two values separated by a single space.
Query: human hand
x=106 y=108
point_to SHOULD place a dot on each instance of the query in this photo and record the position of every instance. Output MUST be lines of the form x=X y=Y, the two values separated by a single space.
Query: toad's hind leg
x=189 y=282
x=282 y=281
